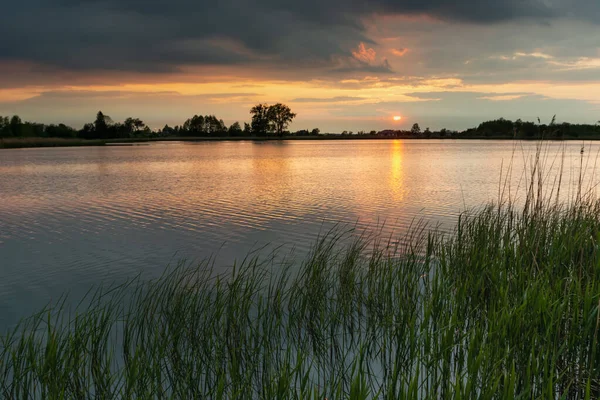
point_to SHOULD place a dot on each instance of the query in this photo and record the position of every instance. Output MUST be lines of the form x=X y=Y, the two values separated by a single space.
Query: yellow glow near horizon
x=397 y=118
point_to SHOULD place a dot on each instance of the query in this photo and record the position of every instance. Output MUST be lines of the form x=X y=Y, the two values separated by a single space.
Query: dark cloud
x=160 y=36
x=76 y=95
x=111 y=95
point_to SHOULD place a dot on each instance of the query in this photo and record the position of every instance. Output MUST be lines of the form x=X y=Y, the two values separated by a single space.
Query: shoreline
x=39 y=142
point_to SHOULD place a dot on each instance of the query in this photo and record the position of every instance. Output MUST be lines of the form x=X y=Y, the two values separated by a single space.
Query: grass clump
x=504 y=307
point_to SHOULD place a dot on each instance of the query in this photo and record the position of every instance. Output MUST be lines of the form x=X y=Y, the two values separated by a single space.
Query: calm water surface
x=74 y=217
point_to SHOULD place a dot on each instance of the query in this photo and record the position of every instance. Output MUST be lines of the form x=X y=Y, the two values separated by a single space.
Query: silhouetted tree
x=199 y=125
x=60 y=131
x=528 y=130
x=167 y=131
x=16 y=120
x=101 y=125
x=15 y=126
x=18 y=128
x=88 y=131
x=416 y=129
x=133 y=125
x=235 y=129
x=247 y=129
x=497 y=127
x=260 y=119
x=315 y=132
x=5 y=130
x=194 y=126
x=213 y=126
x=280 y=116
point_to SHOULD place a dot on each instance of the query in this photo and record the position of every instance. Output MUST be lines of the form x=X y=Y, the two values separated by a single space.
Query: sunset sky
x=340 y=65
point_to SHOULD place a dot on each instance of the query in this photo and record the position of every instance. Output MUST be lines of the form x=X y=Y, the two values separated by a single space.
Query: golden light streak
x=397 y=171
x=367 y=90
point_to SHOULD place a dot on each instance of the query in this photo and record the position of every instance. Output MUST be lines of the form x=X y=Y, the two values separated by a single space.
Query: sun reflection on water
x=397 y=172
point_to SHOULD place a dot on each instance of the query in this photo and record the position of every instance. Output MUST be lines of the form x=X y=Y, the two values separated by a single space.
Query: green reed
x=503 y=307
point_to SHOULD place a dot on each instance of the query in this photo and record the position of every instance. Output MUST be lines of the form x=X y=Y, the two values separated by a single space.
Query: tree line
x=265 y=120
x=503 y=129
x=102 y=128
x=273 y=120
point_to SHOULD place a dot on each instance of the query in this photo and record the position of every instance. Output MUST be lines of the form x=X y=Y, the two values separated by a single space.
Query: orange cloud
x=506 y=97
x=364 y=54
x=445 y=83
x=581 y=63
x=19 y=94
x=399 y=52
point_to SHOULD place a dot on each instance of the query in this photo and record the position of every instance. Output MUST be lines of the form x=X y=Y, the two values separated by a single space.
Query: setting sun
x=397 y=118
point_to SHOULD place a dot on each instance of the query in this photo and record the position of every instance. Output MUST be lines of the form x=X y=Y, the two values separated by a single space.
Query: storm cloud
x=341 y=64
x=161 y=36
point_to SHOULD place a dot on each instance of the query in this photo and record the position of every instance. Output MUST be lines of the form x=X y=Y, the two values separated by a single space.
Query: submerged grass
x=504 y=307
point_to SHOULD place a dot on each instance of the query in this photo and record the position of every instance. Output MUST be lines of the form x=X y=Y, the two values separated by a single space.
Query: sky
x=340 y=65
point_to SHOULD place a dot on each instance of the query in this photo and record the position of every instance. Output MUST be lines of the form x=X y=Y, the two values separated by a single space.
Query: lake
x=71 y=218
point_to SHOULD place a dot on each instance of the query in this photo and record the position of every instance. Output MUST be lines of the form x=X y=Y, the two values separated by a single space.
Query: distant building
x=388 y=133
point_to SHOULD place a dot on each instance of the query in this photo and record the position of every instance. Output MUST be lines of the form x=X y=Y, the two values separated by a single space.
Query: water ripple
x=74 y=217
